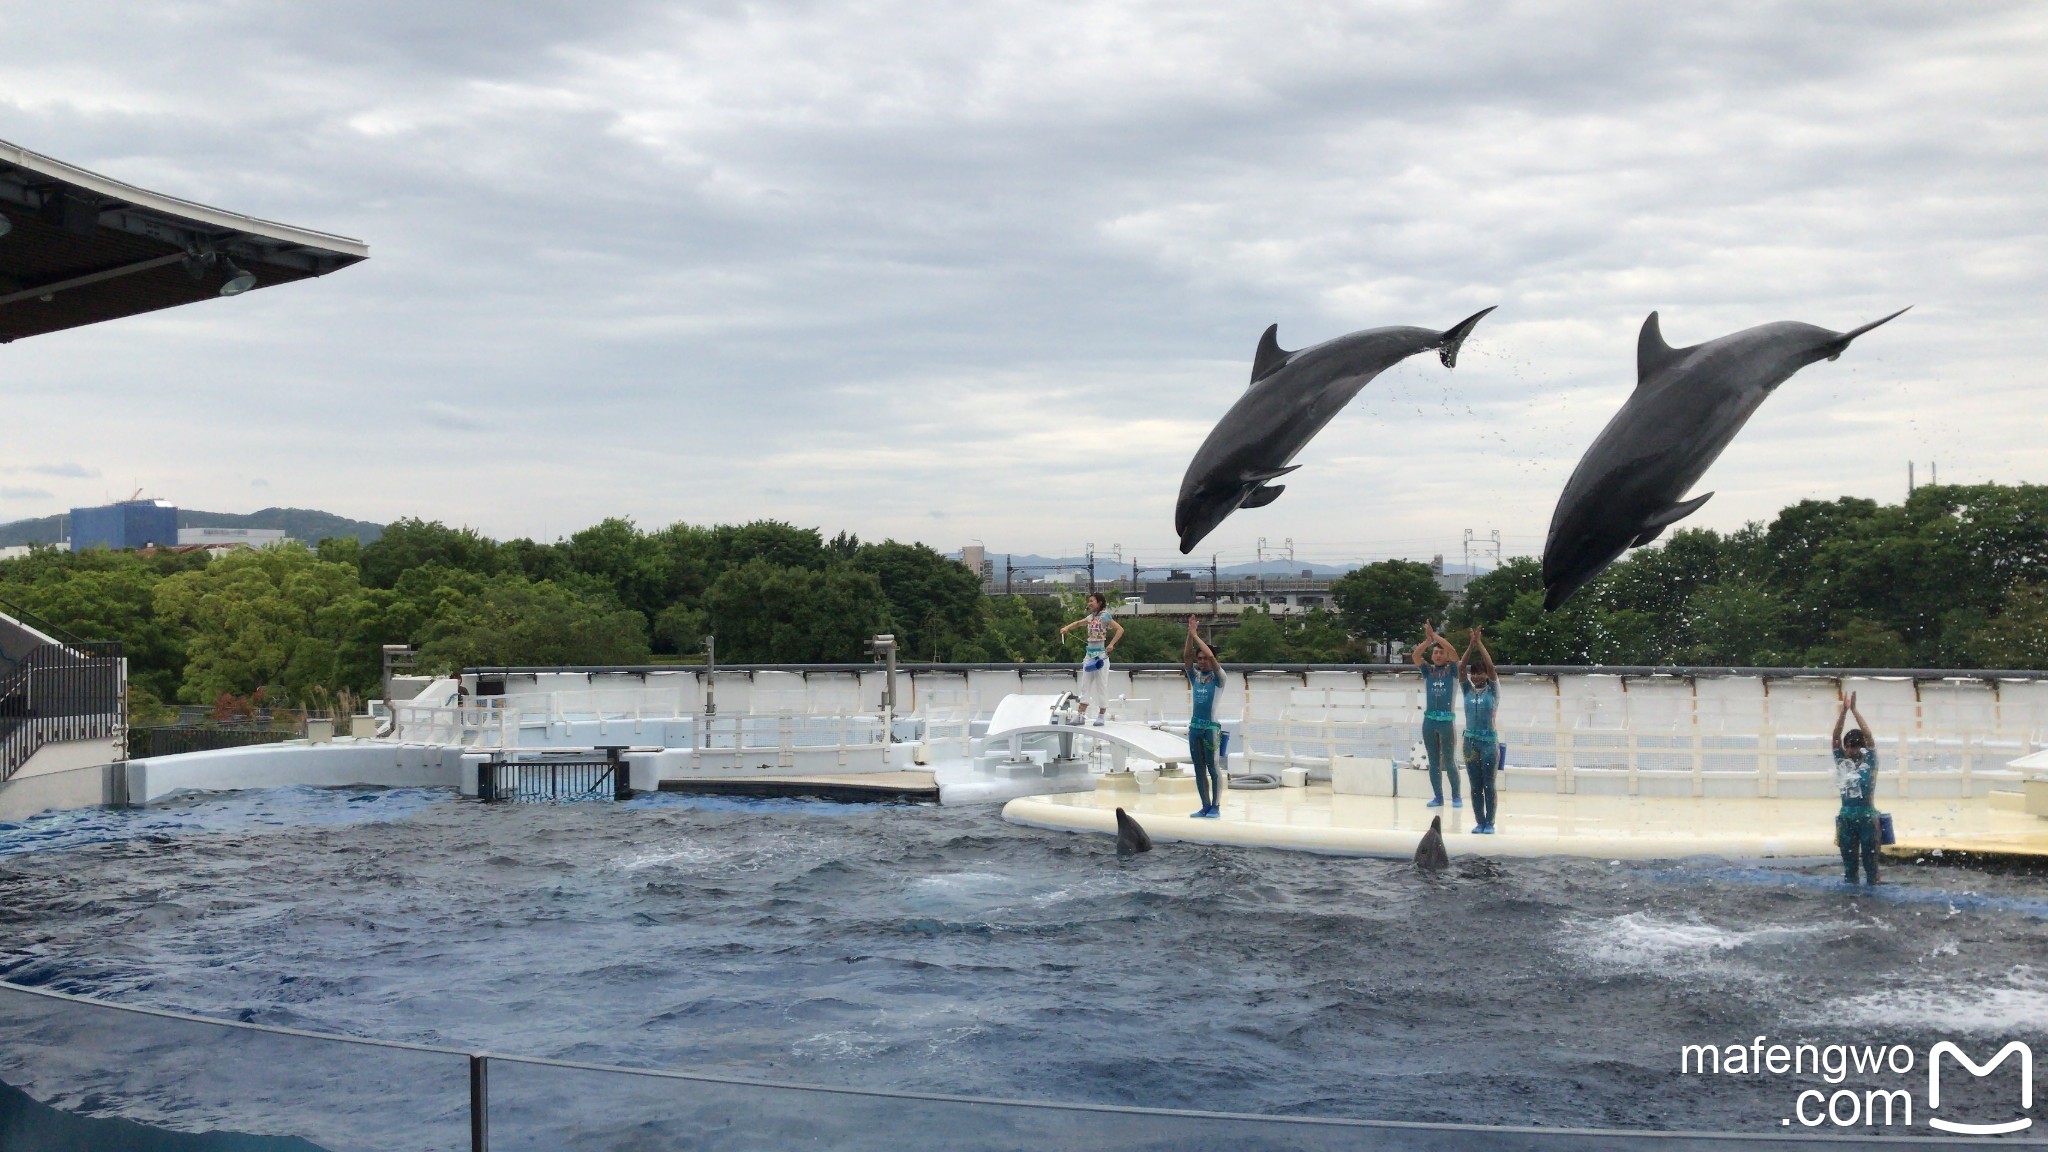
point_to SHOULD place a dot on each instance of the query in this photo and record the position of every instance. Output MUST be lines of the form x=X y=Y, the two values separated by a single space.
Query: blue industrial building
x=128 y=524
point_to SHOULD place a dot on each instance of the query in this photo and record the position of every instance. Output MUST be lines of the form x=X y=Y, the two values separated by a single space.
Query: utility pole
x=1091 y=567
x=1213 y=594
x=1006 y=574
x=1262 y=567
x=1909 y=477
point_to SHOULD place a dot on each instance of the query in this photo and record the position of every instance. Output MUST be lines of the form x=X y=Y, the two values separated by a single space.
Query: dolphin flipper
x=1263 y=495
x=1655 y=525
x=1270 y=356
x=1842 y=345
x=1452 y=339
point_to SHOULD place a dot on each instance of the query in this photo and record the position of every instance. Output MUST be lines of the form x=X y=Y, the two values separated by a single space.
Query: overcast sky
x=958 y=273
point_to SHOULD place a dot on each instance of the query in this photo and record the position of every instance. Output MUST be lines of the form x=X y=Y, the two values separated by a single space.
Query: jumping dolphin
x=1430 y=855
x=1292 y=395
x=1688 y=404
x=1130 y=836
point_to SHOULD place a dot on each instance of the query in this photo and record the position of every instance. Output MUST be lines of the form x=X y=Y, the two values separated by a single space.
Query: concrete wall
x=69 y=755
x=86 y=787
x=335 y=765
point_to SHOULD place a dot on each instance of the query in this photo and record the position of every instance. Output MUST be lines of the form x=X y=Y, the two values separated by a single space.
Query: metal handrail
x=479 y=1094
x=60 y=692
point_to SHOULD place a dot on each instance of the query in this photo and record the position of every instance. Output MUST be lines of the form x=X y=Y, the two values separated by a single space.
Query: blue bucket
x=1885 y=835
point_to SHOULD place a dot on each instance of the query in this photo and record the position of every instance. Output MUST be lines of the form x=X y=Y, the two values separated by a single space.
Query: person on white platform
x=1103 y=634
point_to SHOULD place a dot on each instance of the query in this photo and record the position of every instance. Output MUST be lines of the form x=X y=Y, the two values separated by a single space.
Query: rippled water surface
x=941 y=949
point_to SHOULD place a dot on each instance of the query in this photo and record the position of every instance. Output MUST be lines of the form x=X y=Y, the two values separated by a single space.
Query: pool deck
x=911 y=787
x=1312 y=819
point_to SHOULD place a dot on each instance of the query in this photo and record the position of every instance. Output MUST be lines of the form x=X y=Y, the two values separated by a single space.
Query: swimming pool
x=943 y=950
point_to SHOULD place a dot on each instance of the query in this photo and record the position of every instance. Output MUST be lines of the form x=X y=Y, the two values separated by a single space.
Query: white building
x=244 y=537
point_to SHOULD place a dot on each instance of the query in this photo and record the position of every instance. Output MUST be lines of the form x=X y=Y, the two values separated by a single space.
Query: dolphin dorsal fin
x=1652 y=353
x=1270 y=356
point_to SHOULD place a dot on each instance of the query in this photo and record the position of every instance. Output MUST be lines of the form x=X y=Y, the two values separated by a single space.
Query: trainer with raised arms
x=1103 y=634
x=1482 y=744
x=1205 y=736
x=1438 y=662
x=1856 y=779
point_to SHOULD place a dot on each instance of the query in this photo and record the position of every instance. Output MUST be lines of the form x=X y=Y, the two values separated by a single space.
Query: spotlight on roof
x=239 y=279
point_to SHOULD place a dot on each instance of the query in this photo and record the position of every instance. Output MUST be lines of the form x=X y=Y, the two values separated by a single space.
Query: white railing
x=485 y=724
x=1665 y=736
x=788 y=741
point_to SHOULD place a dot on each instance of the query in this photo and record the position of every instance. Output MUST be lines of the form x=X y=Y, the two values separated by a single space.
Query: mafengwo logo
x=1881 y=1105
x=2026 y=1063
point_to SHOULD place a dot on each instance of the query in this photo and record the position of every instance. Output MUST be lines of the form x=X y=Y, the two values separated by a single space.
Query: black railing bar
x=1672 y=670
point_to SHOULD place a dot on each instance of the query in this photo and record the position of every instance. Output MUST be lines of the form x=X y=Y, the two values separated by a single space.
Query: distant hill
x=305 y=524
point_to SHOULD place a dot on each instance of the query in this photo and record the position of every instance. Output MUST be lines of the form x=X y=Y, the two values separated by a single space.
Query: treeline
x=1954 y=577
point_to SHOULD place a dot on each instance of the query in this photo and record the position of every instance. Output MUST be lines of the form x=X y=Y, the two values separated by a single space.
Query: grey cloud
x=700 y=254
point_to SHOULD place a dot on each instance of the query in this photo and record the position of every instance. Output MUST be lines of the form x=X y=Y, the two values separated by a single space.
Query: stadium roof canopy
x=77 y=248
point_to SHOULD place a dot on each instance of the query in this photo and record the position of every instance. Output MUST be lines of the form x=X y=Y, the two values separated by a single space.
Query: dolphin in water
x=1430 y=855
x=1292 y=395
x=1688 y=404
x=1131 y=838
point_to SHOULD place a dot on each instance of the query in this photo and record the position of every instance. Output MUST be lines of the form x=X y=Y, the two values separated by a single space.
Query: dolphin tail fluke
x=1842 y=341
x=1448 y=345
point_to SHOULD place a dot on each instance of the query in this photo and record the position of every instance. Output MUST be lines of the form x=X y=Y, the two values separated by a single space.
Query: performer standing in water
x=1856 y=779
x=1103 y=634
x=1438 y=662
x=1205 y=736
x=1482 y=745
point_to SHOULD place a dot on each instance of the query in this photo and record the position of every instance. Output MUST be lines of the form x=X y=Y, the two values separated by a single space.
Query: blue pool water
x=942 y=949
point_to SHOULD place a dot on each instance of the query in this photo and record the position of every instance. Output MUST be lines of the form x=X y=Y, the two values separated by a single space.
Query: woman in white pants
x=1103 y=634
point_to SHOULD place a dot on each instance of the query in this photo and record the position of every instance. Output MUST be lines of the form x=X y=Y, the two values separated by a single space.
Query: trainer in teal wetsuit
x=1856 y=778
x=1205 y=681
x=1482 y=745
x=1439 y=664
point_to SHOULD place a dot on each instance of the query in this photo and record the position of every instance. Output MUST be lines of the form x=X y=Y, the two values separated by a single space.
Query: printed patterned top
x=1856 y=780
x=1440 y=686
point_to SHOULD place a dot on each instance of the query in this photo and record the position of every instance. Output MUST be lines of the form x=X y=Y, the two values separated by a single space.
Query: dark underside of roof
x=62 y=235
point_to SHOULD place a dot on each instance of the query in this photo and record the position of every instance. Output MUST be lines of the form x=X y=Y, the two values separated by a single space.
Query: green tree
x=512 y=622
x=761 y=612
x=272 y=618
x=1736 y=624
x=1861 y=643
x=1491 y=596
x=414 y=543
x=634 y=567
x=2018 y=636
x=1022 y=629
x=935 y=602
x=1150 y=640
x=1256 y=639
x=1390 y=600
